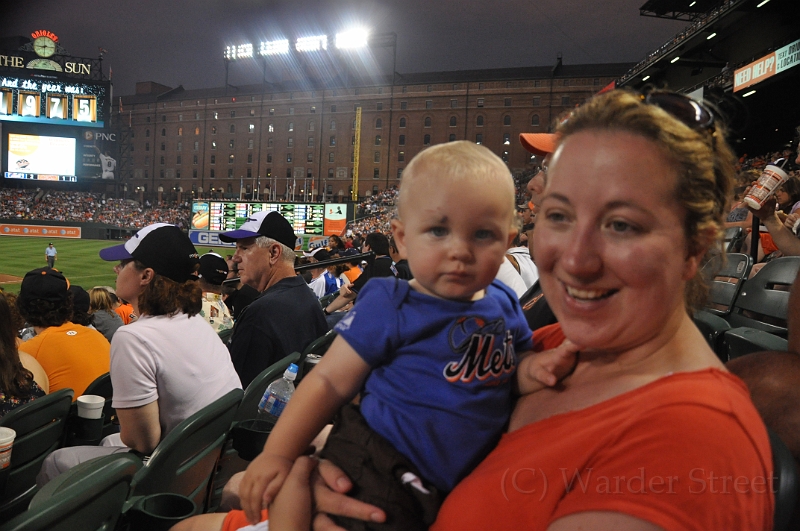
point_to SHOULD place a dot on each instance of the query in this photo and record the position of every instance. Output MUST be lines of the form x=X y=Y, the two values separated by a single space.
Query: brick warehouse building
x=289 y=140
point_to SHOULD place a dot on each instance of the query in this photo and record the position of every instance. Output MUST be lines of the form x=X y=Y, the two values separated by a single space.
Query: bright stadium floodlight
x=244 y=51
x=675 y=60
x=352 y=38
x=274 y=47
x=645 y=78
x=711 y=36
x=311 y=44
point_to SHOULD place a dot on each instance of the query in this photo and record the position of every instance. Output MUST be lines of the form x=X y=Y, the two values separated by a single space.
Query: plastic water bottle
x=277 y=394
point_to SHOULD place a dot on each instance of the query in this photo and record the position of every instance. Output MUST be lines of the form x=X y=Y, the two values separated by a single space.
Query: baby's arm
x=538 y=370
x=333 y=382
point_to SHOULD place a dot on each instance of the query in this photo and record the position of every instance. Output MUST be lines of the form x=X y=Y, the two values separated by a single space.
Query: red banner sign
x=43 y=231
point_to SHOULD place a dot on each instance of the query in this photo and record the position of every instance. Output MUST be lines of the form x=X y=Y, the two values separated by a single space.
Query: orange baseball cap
x=539 y=143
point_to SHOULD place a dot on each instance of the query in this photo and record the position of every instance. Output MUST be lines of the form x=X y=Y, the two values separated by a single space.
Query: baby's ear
x=399 y=235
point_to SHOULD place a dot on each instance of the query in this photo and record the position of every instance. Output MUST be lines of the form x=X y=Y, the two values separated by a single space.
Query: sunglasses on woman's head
x=683 y=108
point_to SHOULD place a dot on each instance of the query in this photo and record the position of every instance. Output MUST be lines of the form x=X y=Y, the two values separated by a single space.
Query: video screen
x=41 y=157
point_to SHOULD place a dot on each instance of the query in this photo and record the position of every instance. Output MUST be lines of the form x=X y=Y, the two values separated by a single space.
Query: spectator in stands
x=788 y=197
x=645 y=377
x=520 y=258
x=286 y=317
x=80 y=307
x=335 y=245
x=18 y=384
x=168 y=364
x=213 y=271
x=104 y=319
x=326 y=280
x=238 y=295
x=784 y=239
x=400 y=262
x=72 y=355
x=124 y=309
x=381 y=267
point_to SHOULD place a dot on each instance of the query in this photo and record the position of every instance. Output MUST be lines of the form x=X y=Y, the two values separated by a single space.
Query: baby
x=433 y=357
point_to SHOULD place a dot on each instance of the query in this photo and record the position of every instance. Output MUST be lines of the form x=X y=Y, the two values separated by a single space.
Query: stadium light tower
x=352 y=38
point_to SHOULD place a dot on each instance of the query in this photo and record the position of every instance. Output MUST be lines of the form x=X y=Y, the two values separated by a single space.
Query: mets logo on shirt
x=487 y=350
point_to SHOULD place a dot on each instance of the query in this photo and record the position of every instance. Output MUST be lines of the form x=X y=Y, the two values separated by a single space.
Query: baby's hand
x=544 y=369
x=262 y=481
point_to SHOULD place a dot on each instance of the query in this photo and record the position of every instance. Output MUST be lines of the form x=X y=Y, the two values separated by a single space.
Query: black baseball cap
x=162 y=247
x=45 y=284
x=269 y=224
x=80 y=298
x=213 y=268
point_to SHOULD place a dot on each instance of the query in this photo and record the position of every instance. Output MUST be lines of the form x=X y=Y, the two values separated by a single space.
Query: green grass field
x=77 y=259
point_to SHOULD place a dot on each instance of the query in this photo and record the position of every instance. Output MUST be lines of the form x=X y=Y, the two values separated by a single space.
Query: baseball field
x=77 y=259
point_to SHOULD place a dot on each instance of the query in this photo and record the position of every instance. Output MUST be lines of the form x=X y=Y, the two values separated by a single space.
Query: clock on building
x=44 y=46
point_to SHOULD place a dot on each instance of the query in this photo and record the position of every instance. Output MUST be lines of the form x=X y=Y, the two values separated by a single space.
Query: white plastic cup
x=769 y=181
x=90 y=406
x=7 y=436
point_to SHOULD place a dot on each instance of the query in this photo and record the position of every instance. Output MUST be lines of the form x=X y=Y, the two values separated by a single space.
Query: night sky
x=176 y=42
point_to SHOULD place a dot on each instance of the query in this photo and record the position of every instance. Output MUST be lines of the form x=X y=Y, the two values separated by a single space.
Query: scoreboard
x=221 y=216
x=53 y=102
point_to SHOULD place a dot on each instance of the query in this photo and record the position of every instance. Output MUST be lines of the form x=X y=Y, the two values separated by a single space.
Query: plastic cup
x=770 y=180
x=90 y=406
x=7 y=436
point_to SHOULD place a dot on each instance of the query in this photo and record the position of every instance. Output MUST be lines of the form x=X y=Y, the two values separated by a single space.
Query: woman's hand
x=262 y=482
x=293 y=505
x=330 y=487
x=790 y=221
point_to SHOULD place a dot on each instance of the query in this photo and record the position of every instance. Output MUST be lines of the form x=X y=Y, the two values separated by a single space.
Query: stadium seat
x=784 y=483
x=225 y=335
x=184 y=461
x=101 y=386
x=89 y=497
x=318 y=347
x=742 y=340
x=254 y=392
x=713 y=328
x=230 y=463
x=764 y=299
x=727 y=274
x=734 y=238
x=40 y=426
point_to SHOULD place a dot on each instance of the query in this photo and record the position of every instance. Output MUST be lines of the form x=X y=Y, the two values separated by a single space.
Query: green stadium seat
x=40 y=426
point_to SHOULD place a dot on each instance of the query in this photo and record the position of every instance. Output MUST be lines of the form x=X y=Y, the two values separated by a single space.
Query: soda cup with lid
x=772 y=178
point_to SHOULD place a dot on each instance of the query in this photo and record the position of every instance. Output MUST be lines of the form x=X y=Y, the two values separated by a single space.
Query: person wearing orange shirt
x=72 y=355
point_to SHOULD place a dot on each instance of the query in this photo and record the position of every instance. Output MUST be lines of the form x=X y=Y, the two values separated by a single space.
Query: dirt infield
x=9 y=279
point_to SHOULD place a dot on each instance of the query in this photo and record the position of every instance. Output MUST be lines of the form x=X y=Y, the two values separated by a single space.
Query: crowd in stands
x=86 y=207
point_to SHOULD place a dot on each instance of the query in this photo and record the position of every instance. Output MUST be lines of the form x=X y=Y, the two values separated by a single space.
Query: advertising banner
x=335 y=218
x=98 y=155
x=776 y=62
x=43 y=231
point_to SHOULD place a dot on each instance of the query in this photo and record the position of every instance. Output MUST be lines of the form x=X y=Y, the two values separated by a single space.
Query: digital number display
x=75 y=103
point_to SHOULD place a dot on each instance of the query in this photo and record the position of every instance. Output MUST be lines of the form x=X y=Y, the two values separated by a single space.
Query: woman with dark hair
x=17 y=383
x=788 y=196
x=166 y=365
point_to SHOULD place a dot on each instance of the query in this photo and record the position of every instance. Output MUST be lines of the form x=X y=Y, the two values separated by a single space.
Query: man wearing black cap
x=213 y=270
x=286 y=317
